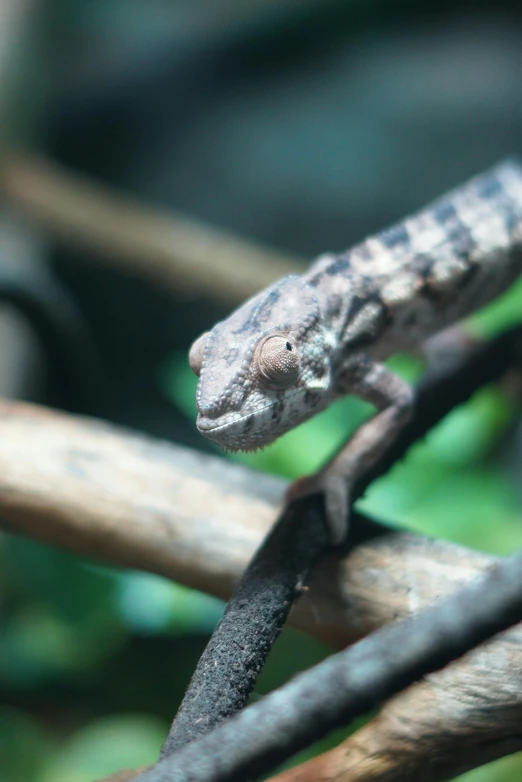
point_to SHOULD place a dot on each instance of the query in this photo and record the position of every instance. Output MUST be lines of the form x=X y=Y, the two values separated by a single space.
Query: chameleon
x=304 y=341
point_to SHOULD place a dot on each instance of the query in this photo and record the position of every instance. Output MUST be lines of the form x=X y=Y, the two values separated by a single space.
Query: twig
x=350 y=683
x=424 y=733
x=228 y=669
x=174 y=251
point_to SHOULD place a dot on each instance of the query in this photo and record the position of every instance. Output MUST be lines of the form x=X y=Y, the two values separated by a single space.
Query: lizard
x=292 y=349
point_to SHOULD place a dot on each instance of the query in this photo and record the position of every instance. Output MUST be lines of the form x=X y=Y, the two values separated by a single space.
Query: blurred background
x=131 y=132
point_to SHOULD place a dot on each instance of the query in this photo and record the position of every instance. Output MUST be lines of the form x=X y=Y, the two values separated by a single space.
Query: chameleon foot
x=336 y=491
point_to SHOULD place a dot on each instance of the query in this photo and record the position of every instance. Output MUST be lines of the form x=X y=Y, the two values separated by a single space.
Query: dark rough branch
x=350 y=683
x=228 y=668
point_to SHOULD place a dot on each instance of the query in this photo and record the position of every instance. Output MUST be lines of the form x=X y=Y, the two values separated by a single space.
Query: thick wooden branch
x=175 y=251
x=126 y=499
x=120 y=497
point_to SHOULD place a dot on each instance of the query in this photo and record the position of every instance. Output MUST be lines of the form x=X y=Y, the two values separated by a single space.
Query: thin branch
x=174 y=251
x=452 y=721
x=228 y=669
x=254 y=617
x=423 y=734
x=350 y=683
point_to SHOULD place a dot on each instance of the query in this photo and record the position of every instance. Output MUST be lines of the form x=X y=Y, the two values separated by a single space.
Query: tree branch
x=428 y=732
x=173 y=250
x=350 y=683
x=115 y=496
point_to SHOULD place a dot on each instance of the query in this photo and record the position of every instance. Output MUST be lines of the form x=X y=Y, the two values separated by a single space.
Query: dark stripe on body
x=459 y=235
x=261 y=314
x=395 y=236
x=444 y=212
x=489 y=187
x=249 y=423
x=341 y=264
x=382 y=320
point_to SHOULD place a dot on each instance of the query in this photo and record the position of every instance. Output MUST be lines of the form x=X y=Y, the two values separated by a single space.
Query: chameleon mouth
x=210 y=427
x=207 y=426
x=231 y=436
x=247 y=432
x=244 y=433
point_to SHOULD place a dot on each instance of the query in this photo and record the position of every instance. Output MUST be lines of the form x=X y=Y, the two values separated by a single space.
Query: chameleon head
x=264 y=369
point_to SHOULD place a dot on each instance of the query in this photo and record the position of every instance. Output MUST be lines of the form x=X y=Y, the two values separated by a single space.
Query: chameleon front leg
x=393 y=398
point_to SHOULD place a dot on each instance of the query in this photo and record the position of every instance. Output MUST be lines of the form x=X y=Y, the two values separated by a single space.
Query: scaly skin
x=288 y=352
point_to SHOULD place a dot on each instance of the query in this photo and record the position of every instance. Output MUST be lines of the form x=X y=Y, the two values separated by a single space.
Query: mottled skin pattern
x=348 y=313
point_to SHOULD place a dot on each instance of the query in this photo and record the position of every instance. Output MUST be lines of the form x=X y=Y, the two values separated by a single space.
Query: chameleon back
x=397 y=288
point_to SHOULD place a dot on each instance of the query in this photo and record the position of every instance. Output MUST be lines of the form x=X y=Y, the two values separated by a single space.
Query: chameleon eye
x=196 y=353
x=278 y=361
